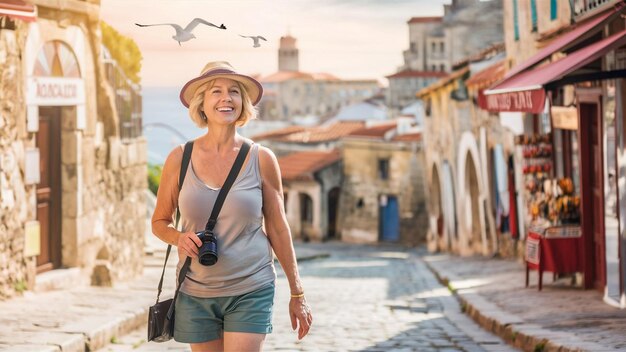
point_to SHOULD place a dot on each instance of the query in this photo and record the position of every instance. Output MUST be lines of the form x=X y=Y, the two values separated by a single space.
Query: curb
x=512 y=329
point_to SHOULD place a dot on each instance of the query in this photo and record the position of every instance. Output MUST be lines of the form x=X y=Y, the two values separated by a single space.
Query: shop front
x=573 y=152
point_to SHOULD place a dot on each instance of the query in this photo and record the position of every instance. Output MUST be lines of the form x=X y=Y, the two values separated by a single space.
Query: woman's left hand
x=300 y=314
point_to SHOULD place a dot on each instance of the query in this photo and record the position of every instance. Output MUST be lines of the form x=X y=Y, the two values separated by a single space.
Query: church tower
x=288 y=54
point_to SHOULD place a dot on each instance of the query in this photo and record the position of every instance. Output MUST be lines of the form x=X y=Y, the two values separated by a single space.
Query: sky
x=351 y=39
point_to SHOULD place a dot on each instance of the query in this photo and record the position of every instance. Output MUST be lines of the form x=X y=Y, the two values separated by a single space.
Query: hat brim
x=252 y=86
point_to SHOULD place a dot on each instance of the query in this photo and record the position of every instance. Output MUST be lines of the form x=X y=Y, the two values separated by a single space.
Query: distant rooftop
x=424 y=19
x=413 y=73
x=302 y=165
x=317 y=134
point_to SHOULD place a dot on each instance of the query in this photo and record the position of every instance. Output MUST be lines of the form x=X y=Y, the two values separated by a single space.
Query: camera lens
x=208 y=251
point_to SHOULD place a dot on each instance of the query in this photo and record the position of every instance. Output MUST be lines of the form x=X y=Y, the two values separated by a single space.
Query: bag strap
x=232 y=176
x=217 y=207
x=181 y=179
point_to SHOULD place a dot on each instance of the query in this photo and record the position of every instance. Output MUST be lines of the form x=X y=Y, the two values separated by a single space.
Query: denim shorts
x=204 y=319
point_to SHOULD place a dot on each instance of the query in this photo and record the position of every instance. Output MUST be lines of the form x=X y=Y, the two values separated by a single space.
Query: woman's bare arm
x=279 y=235
x=167 y=201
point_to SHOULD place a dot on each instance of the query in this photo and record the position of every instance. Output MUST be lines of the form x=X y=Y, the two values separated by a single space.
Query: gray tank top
x=245 y=261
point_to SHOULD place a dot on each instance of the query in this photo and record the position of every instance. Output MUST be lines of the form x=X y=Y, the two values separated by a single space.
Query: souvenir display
x=550 y=201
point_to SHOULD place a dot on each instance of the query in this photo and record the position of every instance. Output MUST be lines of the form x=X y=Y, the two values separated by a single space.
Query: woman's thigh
x=210 y=346
x=243 y=341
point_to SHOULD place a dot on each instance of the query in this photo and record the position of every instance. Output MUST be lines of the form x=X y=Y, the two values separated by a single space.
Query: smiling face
x=222 y=102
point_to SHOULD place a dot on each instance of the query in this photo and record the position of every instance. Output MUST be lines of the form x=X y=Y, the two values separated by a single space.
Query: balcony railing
x=582 y=9
x=127 y=100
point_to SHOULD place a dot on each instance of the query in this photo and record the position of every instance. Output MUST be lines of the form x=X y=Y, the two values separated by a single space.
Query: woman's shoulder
x=265 y=153
x=173 y=160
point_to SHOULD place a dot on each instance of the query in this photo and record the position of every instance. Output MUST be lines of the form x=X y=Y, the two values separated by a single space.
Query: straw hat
x=221 y=69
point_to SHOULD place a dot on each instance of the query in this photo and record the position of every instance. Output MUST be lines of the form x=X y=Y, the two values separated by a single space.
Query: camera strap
x=217 y=207
x=232 y=176
x=181 y=178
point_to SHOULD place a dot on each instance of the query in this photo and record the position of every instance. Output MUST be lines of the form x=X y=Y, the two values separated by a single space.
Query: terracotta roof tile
x=322 y=76
x=377 y=131
x=424 y=19
x=409 y=137
x=302 y=165
x=487 y=76
x=282 y=76
x=413 y=73
x=277 y=133
x=442 y=82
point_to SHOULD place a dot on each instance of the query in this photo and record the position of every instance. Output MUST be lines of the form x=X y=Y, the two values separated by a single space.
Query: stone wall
x=102 y=178
x=362 y=188
x=15 y=200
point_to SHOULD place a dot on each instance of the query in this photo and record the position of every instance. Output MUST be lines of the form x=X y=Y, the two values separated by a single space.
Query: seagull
x=183 y=35
x=255 y=39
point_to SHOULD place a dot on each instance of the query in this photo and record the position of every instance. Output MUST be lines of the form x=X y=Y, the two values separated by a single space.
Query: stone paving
x=558 y=318
x=364 y=298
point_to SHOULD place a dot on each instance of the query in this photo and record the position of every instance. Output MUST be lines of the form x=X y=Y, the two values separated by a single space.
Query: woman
x=228 y=306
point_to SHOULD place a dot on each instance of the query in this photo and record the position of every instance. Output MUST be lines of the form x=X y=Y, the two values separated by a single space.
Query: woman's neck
x=220 y=139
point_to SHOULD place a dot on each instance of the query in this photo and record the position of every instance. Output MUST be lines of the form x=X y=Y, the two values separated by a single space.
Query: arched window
x=56 y=59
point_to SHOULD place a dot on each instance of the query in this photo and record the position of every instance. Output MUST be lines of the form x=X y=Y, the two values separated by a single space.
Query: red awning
x=525 y=91
x=583 y=31
x=18 y=9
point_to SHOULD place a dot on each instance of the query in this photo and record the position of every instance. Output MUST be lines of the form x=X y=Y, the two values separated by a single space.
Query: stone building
x=71 y=187
x=458 y=142
x=324 y=137
x=437 y=43
x=312 y=183
x=564 y=83
x=310 y=163
x=292 y=95
x=404 y=84
x=383 y=192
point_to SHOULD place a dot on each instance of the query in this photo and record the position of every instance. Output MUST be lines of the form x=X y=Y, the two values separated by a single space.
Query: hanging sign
x=564 y=118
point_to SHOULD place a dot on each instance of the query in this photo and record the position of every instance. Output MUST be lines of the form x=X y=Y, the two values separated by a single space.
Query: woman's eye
x=234 y=91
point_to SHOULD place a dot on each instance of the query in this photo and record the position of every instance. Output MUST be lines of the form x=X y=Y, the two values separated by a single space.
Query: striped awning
x=17 y=9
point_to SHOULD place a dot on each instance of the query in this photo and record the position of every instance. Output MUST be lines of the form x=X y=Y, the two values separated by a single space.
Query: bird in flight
x=183 y=35
x=255 y=39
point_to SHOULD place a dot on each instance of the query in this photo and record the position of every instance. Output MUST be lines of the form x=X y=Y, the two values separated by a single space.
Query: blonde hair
x=248 y=110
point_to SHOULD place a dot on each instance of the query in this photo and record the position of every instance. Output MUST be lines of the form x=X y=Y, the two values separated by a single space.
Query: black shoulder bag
x=161 y=314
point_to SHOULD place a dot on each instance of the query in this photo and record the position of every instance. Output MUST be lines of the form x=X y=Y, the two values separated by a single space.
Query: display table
x=556 y=249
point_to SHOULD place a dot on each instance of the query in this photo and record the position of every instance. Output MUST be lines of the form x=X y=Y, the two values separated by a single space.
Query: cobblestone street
x=363 y=299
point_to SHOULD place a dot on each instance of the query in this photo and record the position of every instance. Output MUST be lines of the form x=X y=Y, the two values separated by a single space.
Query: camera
x=207 y=254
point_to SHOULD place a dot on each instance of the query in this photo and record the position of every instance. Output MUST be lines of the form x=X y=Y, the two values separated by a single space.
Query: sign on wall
x=55 y=91
x=32 y=243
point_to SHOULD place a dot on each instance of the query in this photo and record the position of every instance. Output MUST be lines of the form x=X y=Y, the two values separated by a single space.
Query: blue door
x=390 y=220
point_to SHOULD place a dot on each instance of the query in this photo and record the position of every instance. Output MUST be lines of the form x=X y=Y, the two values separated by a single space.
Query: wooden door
x=49 y=188
x=597 y=189
x=592 y=187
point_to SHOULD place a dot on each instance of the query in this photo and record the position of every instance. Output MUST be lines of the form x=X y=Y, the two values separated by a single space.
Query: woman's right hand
x=188 y=244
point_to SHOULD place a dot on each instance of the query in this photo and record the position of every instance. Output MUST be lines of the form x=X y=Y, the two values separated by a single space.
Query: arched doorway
x=472 y=205
x=333 y=207
x=306 y=216
x=448 y=197
x=437 y=217
x=55 y=95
